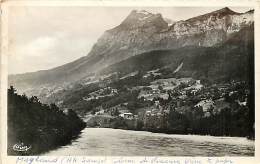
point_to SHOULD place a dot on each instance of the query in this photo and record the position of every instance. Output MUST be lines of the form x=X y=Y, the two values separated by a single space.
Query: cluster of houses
x=149 y=95
x=104 y=92
x=160 y=88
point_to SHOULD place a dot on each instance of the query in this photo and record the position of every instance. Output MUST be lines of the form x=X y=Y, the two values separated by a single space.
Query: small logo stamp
x=21 y=147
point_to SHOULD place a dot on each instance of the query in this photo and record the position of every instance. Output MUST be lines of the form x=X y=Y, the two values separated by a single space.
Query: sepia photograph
x=131 y=81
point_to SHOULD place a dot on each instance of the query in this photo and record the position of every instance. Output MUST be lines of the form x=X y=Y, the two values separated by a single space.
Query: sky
x=44 y=37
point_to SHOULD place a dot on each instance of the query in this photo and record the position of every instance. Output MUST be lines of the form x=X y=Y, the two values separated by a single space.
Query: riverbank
x=107 y=121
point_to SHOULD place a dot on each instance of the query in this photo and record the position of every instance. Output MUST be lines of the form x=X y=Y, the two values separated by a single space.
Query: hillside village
x=166 y=104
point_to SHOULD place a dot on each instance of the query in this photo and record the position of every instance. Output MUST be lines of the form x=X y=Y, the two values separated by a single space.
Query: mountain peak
x=250 y=11
x=140 y=15
x=142 y=19
x=225 y=10
x=142 y=12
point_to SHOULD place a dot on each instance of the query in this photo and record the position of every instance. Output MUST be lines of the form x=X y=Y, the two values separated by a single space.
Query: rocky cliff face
x=133 y=36
x=142 y=31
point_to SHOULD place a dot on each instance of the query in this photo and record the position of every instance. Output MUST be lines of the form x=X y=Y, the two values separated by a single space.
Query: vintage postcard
x=92 y=81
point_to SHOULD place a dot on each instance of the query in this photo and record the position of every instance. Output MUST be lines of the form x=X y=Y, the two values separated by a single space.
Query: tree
x=72 y=114
x=33 y=123
x=54 y=107
x=34 y=99
x=178 y=122
x=116 y=112
x=11 y=90
x=198 y=112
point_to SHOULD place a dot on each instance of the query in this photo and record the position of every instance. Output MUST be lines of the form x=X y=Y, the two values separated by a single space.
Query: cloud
x=36 y=47
x=30 y=56
x=46 y=52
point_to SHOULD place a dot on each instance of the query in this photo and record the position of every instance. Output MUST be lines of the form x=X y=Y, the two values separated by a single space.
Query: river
x=117 y=142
